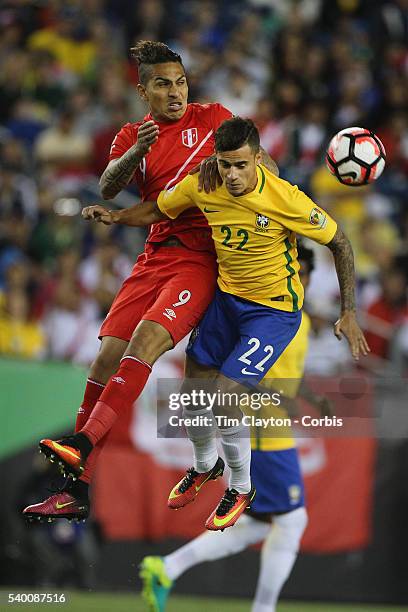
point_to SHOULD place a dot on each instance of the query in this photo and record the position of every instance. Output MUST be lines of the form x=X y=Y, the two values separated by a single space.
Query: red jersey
x=181 y=145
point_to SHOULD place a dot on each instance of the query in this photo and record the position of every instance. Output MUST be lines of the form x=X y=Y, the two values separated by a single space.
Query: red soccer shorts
x=169 y=285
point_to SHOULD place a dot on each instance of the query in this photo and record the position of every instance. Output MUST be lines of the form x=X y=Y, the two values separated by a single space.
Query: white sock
x=236 y=444
x=203 y=440
x=216 y=545
x=278 y=556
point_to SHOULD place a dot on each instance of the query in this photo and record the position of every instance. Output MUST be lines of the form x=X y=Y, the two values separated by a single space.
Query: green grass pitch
x=110 y=602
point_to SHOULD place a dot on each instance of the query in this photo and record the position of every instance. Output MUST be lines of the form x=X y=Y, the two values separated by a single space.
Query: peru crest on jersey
x=189 y=137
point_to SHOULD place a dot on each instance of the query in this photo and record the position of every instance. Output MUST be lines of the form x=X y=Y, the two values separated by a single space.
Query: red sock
x=121 y=392
x=92 y=393
x=87 y=474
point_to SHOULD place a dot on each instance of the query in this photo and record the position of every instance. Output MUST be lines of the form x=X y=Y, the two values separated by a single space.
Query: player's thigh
x=134 y=298
x=264 y=335
x=197 y=377
x=215 y=336
x=184 y=295
x=195 y=370
x=229 y=396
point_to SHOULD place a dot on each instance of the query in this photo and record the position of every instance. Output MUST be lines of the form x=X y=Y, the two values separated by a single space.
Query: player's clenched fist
x=147 y=135
x=98 y=213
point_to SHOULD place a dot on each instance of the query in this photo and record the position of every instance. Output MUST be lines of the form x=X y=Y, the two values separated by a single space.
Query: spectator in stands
x=69 y=317
x=68 y=39
x=63 y=150
x=102 y=274
x=18 y=193
x=326 y=355
x=388 y=312
x=20 y=336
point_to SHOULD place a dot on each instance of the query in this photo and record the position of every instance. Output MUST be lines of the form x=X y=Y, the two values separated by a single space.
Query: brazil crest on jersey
x=254 y=235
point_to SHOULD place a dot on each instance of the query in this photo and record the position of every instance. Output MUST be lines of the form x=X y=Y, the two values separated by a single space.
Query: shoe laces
x=188 y=480
x=227 y=502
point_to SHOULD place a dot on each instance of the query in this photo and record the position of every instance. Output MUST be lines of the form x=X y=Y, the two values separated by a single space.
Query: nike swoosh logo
x=174 y=495
x=204 y=481
x=59 y=506
x=210 y=211
x=245 y=371
x=220 y=522
x=65 y=450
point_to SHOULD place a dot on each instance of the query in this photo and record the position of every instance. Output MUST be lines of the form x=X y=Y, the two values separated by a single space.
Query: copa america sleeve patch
x=318 y=218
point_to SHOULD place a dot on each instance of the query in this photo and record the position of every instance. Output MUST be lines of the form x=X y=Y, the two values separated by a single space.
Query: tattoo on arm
x=344 y=261
x=268 y=162
x=119 y=172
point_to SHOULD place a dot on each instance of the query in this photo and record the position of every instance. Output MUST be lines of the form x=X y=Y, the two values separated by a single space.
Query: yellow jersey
x=287 y=371
x=254 y=235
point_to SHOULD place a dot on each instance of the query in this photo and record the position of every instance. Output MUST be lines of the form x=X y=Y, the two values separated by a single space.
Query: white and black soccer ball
x=355 y=156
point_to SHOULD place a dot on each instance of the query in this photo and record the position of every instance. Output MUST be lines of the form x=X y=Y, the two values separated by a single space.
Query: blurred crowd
x=301 y=69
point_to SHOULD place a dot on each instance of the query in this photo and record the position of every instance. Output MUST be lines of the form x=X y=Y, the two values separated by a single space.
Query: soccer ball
x=356 y=156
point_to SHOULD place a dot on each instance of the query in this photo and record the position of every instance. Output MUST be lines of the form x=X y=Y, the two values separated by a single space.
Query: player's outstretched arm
x=136 y=216
x=119 y=171
x=347 y=324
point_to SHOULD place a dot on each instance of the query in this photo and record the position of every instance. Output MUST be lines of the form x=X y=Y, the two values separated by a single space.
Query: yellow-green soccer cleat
x=156 y=583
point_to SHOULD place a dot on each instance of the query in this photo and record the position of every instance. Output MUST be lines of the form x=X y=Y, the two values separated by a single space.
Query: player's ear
x=258 y=158
x=141 y=90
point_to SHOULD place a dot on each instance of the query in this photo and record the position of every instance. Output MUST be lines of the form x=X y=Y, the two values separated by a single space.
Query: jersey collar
x=261 y=179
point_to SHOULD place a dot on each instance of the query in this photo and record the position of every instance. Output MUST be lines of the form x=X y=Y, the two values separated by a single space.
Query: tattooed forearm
x=119 y=172
x=267 y=161
x=344 y=260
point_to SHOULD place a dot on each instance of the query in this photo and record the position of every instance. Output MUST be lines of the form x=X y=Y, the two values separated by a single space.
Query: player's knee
x=104 y=365
x=289 y=528
x=193 y=369
x=149 y=341
x=108 y=359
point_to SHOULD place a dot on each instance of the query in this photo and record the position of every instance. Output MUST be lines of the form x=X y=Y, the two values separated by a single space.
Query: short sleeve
x=122 y=142
x=219 y=114
x=172 y=202
x=303 y=216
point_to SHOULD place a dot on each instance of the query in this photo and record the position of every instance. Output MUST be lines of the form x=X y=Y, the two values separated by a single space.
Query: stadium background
x=303 y=70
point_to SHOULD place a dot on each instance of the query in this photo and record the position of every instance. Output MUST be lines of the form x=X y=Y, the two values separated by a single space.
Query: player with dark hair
x=173 y=280
x=256 y=311
x=277 y=517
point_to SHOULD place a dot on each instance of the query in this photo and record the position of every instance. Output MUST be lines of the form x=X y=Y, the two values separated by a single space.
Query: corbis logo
x=262 y=223
x=189 y=137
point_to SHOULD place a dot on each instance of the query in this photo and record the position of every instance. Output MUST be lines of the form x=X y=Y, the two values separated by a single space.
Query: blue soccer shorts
x=278 y=481
x=242 y=339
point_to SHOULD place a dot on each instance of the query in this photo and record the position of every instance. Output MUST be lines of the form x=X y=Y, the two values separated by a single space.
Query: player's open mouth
x=175 y=106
